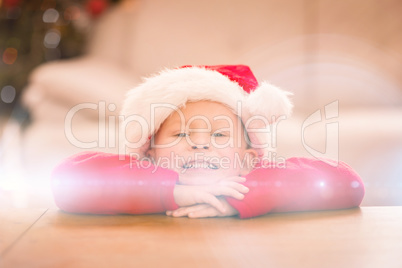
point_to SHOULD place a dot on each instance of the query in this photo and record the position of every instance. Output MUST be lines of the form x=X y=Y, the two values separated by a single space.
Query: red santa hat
x=148 y=105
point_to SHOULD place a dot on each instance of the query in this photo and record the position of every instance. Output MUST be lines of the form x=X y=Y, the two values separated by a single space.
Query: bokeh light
x=8 y=94
x=10 y=55
x=52 y=39
x=51 y=15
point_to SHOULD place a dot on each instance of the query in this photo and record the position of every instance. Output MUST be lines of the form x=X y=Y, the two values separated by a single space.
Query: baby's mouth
x=199 y=164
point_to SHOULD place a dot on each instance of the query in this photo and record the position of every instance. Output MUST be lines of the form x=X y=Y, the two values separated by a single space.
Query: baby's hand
x=202 y=179
x=204 y=211
x=190 y=195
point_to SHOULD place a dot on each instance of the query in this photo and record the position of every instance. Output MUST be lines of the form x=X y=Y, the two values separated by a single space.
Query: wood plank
x=366 y=237
x=14 y=222
x=19 y=209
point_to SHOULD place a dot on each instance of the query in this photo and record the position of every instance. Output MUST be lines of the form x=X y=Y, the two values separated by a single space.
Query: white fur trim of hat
x=148 y=105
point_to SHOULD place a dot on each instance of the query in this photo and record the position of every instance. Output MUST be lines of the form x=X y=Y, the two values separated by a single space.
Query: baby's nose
x=200 y=141
x=195 y=147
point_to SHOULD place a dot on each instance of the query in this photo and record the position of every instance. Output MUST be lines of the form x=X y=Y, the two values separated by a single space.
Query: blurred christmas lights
x=10 y=55
x=35 y=32
x=52 y=39
x=8 y=94
x=51 y=15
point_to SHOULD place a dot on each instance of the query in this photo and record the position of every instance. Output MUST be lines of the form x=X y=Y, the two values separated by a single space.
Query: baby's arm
x=305 y=184
x=102 y=183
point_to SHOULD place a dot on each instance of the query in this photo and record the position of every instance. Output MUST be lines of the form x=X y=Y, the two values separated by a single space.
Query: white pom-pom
x=270 y=102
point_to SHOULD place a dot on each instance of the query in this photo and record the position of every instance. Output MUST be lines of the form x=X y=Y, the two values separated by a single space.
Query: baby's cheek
x=222 y=142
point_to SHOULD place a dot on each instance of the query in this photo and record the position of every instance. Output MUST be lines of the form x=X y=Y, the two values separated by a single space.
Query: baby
x=207 y=129
x=200 y=129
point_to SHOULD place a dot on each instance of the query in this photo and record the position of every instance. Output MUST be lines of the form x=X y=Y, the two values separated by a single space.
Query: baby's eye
x=181 y=135
x=217 y=134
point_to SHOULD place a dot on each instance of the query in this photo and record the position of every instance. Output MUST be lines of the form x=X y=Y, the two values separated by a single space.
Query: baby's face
x=202 y=141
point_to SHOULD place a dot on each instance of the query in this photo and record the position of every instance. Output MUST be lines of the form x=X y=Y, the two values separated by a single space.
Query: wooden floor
x=34 y=233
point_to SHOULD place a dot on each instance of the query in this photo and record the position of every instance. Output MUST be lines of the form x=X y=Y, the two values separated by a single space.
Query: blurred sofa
x=346 y=91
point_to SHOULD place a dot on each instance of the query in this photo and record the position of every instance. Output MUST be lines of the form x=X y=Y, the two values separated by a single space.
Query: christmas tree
x=33 y=32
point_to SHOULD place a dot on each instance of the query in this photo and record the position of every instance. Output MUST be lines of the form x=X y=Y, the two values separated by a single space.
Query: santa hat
x=148 y=105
